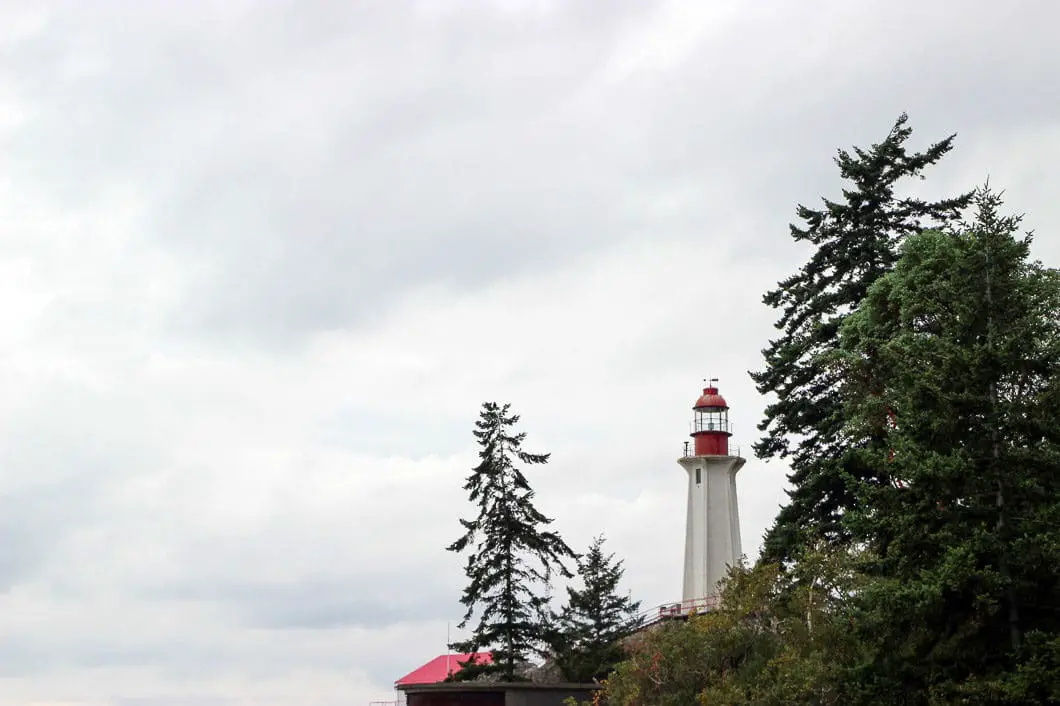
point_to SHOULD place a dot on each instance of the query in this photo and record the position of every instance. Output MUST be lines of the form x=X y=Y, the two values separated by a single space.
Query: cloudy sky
x=261 y=262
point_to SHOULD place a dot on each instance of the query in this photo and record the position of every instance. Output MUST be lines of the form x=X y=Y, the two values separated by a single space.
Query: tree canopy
x=855 y=241
x=917 y=399
x=589 y=627
x=771 y=641
x=944 y=583
x=956 y=354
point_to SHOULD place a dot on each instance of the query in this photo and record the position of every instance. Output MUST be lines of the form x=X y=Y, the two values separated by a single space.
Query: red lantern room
x=711 y=430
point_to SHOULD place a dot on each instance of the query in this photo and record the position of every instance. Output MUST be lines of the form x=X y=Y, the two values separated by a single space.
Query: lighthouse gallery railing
x=689 y=450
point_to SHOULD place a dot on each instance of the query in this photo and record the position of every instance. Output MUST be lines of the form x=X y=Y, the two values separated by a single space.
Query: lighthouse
x=712 y=530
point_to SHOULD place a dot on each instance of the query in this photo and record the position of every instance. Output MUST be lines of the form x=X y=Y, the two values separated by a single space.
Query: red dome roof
x=710 y=398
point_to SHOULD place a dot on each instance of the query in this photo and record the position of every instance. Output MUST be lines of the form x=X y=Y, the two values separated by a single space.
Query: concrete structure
x=712 y=531
x=495 y=694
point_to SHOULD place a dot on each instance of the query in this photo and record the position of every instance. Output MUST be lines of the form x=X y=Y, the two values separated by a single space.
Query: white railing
x=690 y=450
x=678 y=610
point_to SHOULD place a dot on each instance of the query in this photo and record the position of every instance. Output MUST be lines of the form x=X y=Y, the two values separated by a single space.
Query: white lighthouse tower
x=712 y=533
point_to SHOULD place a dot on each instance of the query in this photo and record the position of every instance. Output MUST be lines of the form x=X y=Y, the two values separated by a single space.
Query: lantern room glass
x=712 y=420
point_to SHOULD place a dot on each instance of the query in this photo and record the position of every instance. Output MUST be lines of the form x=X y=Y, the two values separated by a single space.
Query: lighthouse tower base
x=712 y=531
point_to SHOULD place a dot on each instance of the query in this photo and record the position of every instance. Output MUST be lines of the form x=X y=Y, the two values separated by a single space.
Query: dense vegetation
x=916 y=396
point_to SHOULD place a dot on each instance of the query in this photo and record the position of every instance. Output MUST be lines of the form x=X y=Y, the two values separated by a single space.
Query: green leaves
x=774 y=639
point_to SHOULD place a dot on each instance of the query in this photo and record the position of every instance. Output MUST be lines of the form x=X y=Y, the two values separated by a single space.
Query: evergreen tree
x=956 y=356
x=855 y=242
x=512 y=555
x=588 y=629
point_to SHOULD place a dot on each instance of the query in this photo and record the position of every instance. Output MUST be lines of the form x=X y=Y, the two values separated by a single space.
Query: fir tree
x=962 y=345
x=588 y=629
x=512 y=556
x=855 y=242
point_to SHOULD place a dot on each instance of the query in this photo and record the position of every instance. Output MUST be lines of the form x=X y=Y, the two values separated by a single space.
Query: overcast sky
x=261 y=262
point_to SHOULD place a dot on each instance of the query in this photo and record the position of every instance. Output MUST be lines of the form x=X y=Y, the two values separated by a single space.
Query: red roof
x=441 y=667
x=710 y=399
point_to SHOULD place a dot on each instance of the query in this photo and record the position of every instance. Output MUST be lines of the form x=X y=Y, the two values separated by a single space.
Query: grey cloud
x=310 y=167
x=194 y=188
x=365 y=597
x=303 y=209
x=59 y=459
x=34 y=521
x=174 y=701
x=411 y=431
x=20 y=656
x=38 y=655
x=329 y=605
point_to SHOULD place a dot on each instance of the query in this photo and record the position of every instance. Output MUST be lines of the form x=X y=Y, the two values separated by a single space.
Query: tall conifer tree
x=855 y=242
x=961 y=343
x=513 y=555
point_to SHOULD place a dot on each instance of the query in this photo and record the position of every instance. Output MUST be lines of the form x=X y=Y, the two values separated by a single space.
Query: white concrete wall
x=712 y=529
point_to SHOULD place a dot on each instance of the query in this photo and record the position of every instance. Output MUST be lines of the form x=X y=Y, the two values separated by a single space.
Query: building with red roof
x=441 y=667
x=427 y=686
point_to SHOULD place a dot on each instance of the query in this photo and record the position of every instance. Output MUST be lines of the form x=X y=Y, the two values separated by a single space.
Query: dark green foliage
x=855 y=241
x=918 y=399
x=512 y=556
x=770 y=642
x=961 y=344
x=585 y=640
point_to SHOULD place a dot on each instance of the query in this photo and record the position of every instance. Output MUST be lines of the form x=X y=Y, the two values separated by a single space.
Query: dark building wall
x=457 y=698
x=550 y=697
x=496 y=695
